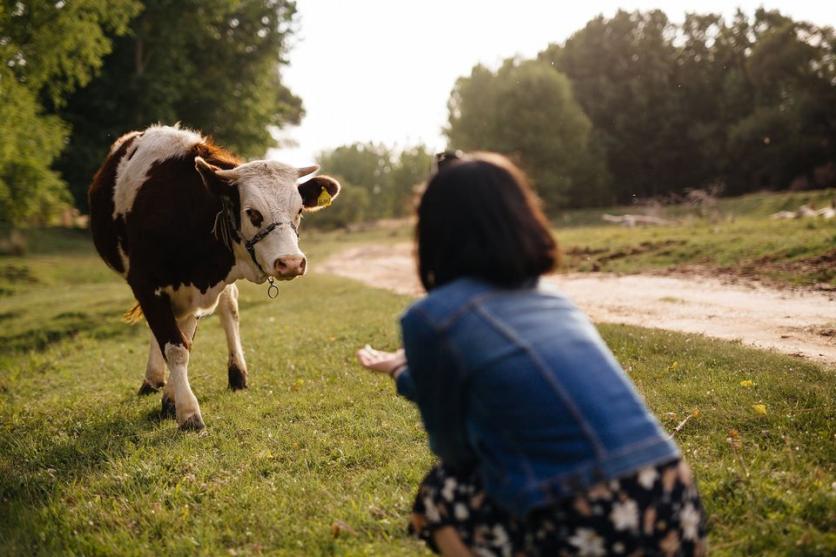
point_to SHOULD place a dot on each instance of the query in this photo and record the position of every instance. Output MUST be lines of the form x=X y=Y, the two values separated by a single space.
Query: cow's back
x=145 y=186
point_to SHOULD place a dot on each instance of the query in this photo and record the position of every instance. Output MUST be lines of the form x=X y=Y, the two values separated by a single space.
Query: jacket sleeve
x=405 y=385
x=437 y=384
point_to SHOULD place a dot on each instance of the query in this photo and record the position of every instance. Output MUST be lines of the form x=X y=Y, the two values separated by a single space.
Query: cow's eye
x=255 y=217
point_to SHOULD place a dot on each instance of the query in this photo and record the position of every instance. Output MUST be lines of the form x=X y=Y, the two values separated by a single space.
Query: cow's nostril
x=290 y=266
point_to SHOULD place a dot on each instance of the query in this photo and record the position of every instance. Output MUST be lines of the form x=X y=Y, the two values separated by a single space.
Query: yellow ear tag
x=324 y=198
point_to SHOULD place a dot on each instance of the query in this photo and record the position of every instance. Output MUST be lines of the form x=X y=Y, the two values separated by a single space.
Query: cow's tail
x=133 y=315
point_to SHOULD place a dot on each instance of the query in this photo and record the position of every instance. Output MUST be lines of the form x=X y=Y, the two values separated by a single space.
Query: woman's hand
x=380 y=361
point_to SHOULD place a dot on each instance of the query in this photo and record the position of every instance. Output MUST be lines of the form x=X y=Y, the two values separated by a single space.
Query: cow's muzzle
x=289 y=267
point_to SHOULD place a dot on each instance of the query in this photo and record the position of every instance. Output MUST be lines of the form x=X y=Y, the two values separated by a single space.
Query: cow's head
x=271 y=202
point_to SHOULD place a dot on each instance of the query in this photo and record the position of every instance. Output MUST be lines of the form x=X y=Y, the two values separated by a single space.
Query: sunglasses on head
x=445 y=158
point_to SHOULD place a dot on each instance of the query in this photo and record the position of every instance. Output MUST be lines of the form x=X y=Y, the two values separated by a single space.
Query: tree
x=367 y=166
x=746 y=104
x=209 y=64
x=527 y=111
x=29 y=141
x=378 y=181
x=47 y=50
x=789 y=129
x=411 y=169
x=622 y=74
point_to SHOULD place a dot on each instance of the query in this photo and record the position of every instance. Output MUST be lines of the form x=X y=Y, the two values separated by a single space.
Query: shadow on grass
x=41 y=462
x=39 y=471
x=64 y=326
x=41 y=465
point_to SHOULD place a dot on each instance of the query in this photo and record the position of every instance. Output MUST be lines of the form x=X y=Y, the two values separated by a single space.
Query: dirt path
x=799 y=323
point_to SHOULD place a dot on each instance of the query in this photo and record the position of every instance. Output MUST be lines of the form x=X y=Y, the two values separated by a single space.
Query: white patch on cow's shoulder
x=157 y=144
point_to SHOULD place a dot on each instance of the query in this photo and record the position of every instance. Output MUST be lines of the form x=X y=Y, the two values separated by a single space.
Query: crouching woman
x=545 y=447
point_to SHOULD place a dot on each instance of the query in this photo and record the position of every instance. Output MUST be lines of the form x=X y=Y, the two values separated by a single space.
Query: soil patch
x=797 y=322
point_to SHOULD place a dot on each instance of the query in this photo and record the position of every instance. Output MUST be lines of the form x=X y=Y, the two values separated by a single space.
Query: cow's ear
x=216 y=180
x=318 y=192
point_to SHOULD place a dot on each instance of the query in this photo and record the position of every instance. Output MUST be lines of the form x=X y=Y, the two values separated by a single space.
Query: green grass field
x=752 y=205
x=735 y=238
x=795 y=253
x=88 y=468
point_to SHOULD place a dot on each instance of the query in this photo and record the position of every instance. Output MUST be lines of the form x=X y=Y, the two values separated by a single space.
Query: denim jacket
x=518 y=383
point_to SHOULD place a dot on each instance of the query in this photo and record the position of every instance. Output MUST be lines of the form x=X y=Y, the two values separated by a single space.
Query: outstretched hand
x=380 y=361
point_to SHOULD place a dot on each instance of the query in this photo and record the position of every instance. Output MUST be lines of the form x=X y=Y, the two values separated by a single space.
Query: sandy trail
x=801 y=323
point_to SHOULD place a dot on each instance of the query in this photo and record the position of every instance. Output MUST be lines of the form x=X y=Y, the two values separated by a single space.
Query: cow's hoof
x=148 y=389
x=237 y=378
x=168 y=409
x=192 y=423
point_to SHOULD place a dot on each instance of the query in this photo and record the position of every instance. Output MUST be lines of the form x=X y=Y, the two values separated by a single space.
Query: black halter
x=272 y=290
x=226 y=232
x=260 y=235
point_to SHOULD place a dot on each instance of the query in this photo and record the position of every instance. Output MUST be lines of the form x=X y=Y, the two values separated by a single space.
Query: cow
x=181 y=220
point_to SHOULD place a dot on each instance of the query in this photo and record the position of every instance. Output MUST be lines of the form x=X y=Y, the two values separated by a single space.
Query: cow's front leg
x=169 y=408
x=175 y=340
x=178 y=392
x=228 y=314
x=154 y=370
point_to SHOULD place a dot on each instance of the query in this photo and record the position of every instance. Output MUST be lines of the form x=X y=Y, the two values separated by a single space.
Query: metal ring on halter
x=272 y=290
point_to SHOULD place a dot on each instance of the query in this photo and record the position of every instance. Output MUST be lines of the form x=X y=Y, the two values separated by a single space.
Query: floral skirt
x=656 y=511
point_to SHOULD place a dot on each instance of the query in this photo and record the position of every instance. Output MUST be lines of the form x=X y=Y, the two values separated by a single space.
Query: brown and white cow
x=181 y=220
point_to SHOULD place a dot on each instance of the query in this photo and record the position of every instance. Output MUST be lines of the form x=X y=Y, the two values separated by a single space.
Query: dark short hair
x=479 y=217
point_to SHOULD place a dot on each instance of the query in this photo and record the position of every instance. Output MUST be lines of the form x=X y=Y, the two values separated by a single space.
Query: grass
x=87 y=467
x=753 y=205
x=795 y=253
x=735 y=237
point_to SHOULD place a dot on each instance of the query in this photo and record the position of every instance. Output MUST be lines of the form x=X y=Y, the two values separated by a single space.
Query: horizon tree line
x=630 y=106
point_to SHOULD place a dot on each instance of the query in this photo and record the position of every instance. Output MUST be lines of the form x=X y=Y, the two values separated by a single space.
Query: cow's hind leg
x=154 y=370
x=175 y=340
x=228 y=313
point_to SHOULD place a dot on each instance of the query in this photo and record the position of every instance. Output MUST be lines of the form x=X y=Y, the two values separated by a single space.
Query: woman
x=545 y=448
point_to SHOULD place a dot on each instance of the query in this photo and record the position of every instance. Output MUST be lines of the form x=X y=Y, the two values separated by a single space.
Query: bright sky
x=382 y=70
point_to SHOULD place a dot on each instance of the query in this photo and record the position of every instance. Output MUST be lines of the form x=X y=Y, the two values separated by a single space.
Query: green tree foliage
x=622 y=74
x=527 y=110
x=378 y=182
x=789 y=129
x=409 y=173
x=363 y=165
x=47 y=50
x=29 y=141
x=209 y=64
x=747 y=104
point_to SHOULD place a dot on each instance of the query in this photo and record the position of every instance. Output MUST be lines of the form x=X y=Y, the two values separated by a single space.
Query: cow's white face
x=269 y=196
x=271 y=206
